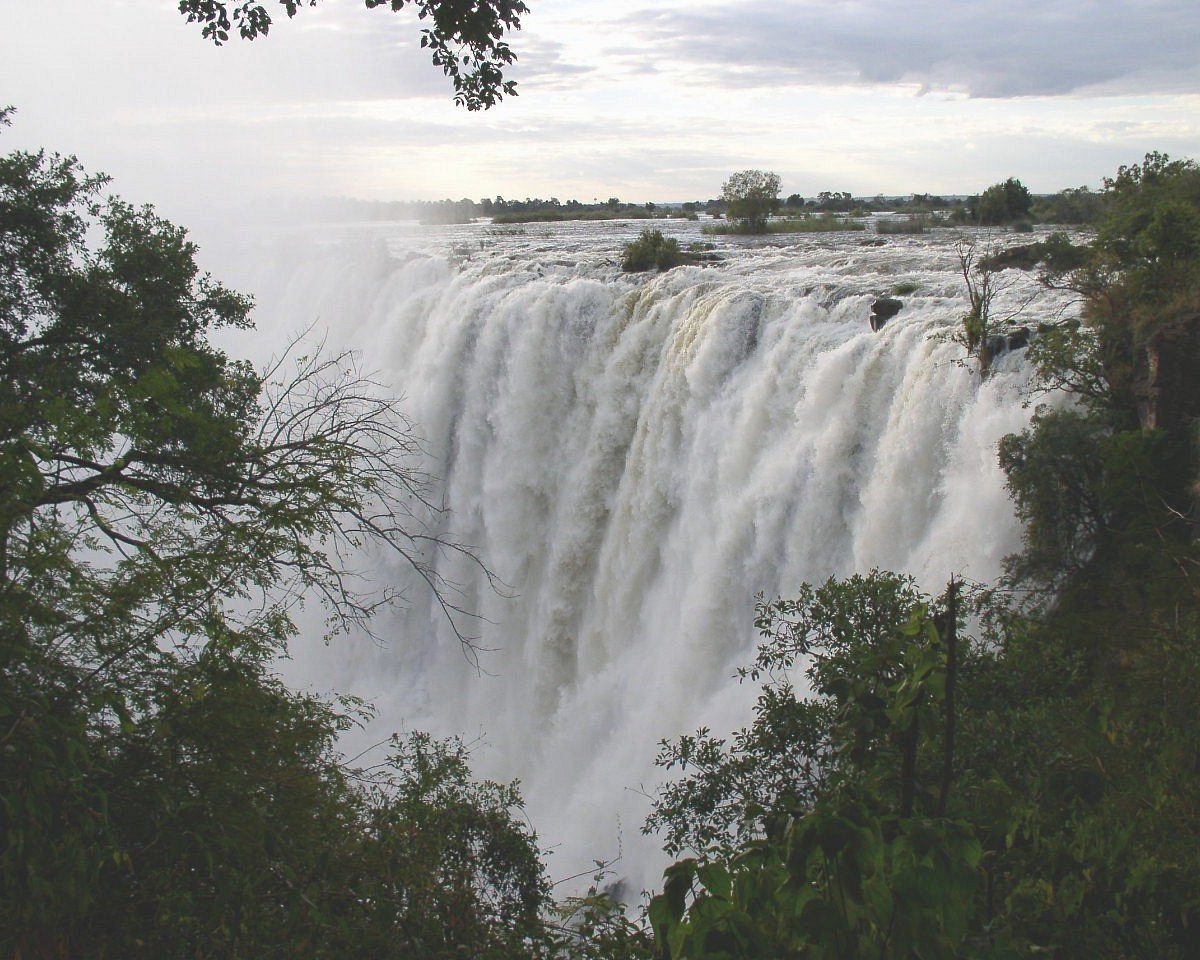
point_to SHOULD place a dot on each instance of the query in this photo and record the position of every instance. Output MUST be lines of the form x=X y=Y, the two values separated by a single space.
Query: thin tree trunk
x=949 y=630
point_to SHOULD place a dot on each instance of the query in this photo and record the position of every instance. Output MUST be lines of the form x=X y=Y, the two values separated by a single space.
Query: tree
x=465 y=38
x=1069 y=206
x=125 y=429
x=980 y=326
x=861 y=639
x=835 y=200
x=821 y=833
x=1003 y=203
x=163 y=508
x=1128 y=451
x=750 y=197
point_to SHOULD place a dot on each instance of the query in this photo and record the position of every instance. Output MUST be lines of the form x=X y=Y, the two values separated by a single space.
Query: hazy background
x=641 y=100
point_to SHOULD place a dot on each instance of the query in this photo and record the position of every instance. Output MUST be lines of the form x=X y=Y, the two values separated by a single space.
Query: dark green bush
x=901 y=225
x=651 y=251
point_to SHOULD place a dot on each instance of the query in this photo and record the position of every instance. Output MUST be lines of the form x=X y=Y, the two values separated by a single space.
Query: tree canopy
x=750 y=197
x=464 y=37
x=1003 y=203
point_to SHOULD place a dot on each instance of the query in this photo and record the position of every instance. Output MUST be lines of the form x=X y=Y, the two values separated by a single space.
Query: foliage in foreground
x=162 y=507
x=465 y=39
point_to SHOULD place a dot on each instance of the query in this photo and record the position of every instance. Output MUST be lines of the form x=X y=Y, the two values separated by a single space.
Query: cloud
x=540 y=63
x=983 y=48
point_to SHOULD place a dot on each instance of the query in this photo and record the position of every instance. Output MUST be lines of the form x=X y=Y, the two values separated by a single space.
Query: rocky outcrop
x=1017 y=338
x=882 y=310
x=999 y=344
x=1167 y=377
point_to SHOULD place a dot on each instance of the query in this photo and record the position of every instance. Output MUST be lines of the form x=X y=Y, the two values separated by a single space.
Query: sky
x=641 y=99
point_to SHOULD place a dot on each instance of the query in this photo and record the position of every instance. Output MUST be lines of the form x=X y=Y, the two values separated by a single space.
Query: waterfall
x=636 y=458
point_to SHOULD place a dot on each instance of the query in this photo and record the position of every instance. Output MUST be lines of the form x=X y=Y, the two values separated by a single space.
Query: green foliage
x=1147 y=260
x=1085 y=494
x=902 y=225
x=597 y=926
x=651 y=251
x=1002 y=203
x=750 y=197
x=826 y=223
x=977 y=322
x=872 y=662
x=1130 y=451
x=220 y=820
x=813 y=843
x=729 y=790
x=464 y=38
x=162 y=508
x=456 y=851
x=840 y=882
x=1073 y=206
x=1107 y=493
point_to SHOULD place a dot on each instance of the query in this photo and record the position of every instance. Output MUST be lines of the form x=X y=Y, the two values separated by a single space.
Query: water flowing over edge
x=636 y=458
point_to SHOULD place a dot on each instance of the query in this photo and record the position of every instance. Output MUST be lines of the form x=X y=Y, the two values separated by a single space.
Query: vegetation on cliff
x=1029 y=791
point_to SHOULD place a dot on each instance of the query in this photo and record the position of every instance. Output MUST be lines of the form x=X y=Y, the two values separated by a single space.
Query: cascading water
x=636 y=457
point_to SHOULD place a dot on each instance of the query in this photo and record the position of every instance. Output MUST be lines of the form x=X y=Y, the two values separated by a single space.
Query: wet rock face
x=1018 y=338
x=882 y=310
x=998 y=344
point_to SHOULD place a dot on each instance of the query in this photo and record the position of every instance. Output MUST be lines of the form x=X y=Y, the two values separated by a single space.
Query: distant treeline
x=1077 y=205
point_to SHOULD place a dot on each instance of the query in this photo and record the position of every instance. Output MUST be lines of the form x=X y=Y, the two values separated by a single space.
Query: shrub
x=901 y=225
x=821 y=224
x=651 y=251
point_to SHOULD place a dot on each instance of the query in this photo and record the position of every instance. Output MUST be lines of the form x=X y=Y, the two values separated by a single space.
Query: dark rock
x=1165 y=377
x=1018 y=338
x=996 y=345
x=882 y=310
x=1022 y=256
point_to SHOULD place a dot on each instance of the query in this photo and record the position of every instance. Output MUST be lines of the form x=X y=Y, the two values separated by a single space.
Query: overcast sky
x=642 y=99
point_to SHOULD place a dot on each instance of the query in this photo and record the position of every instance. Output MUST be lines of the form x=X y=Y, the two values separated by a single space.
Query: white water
x=637 y=457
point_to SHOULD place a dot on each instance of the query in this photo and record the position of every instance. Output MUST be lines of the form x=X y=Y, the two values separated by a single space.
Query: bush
x=821 y=224
x=902 y=225
x=651 y=251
